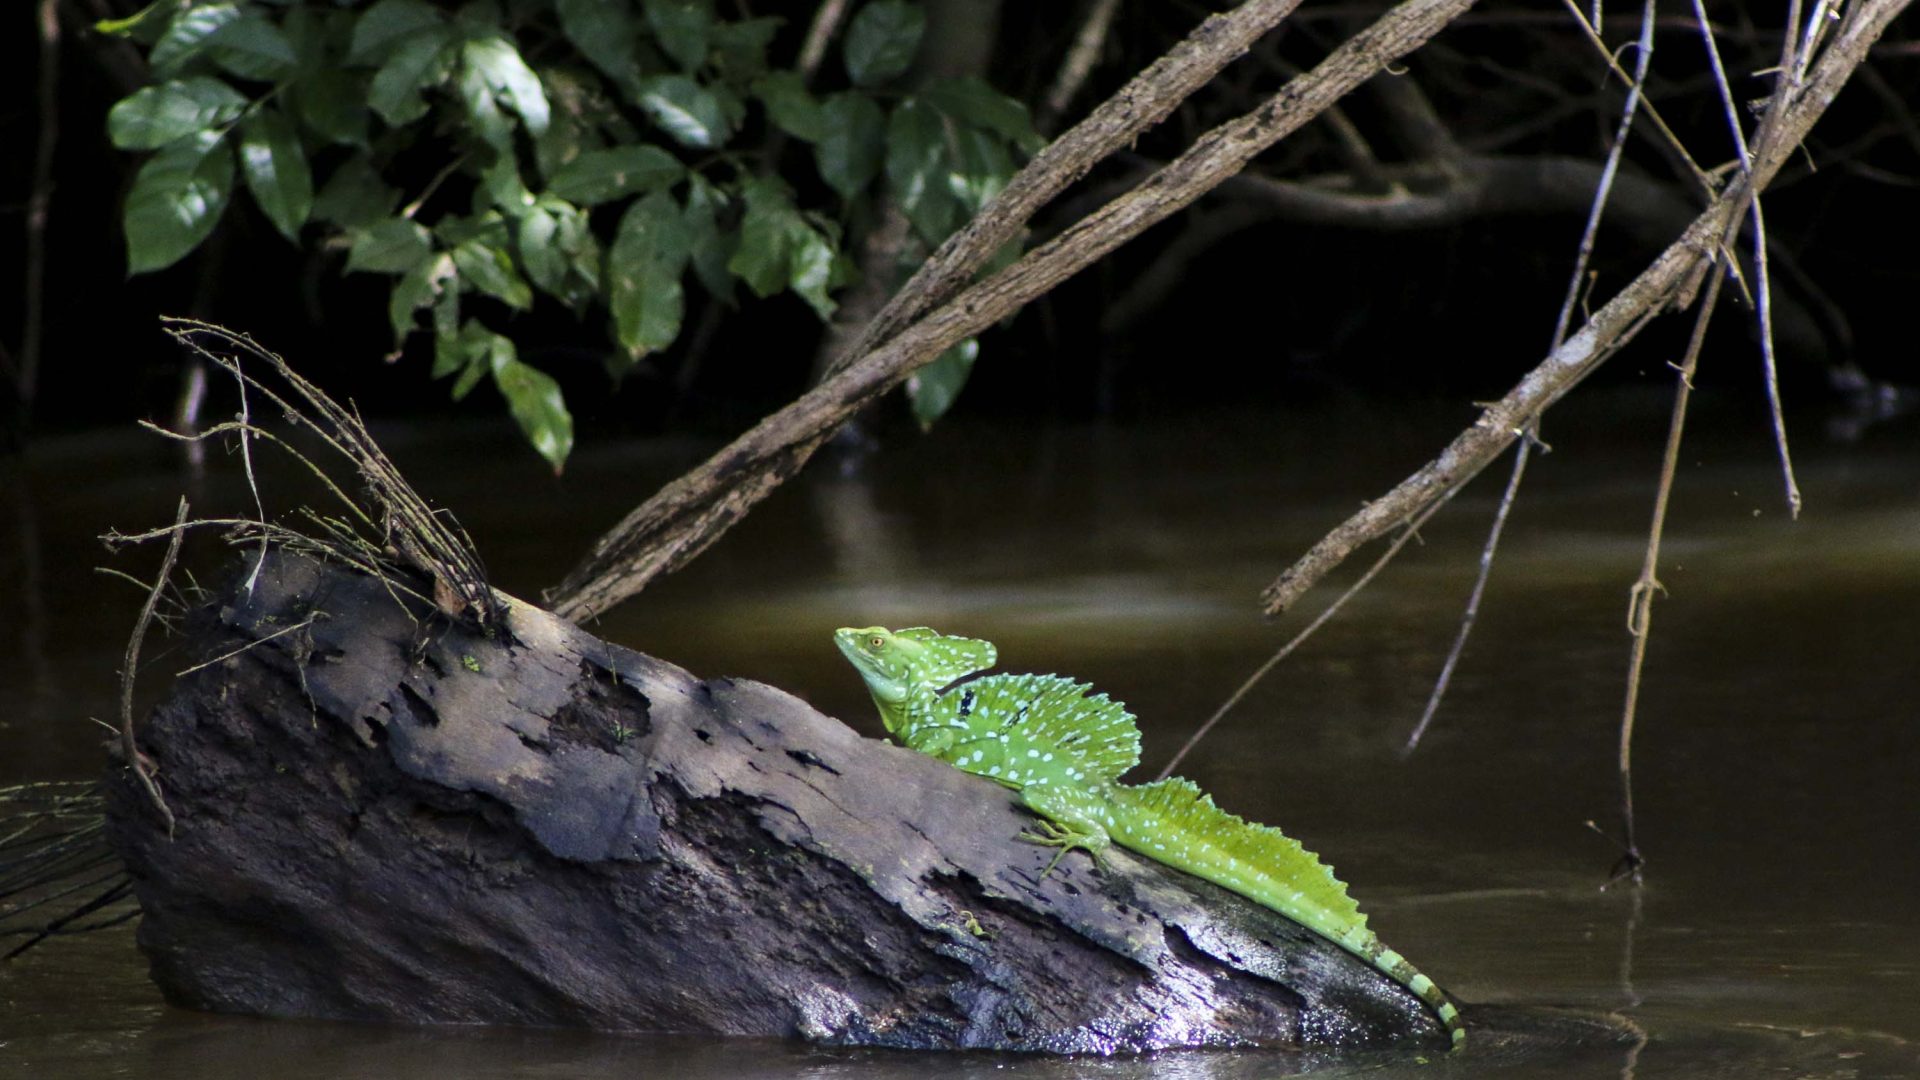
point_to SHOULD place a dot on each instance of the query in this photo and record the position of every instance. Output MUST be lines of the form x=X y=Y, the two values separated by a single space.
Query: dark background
x=1279 y=311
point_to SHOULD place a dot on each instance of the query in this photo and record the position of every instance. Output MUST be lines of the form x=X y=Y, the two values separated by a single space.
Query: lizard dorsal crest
x=1091 y=734
x=939 y=659
x=1309 y=892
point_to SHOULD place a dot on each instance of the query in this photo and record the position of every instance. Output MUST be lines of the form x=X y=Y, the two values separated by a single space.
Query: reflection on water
x=1776 y=765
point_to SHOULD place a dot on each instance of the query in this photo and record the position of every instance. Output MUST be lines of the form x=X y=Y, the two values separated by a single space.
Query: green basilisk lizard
x=1064 y=749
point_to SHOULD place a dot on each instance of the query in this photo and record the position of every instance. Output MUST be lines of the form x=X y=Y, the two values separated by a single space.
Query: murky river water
x=1778 y=764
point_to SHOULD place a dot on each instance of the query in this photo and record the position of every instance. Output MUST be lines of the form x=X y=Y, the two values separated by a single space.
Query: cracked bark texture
x=383 y=816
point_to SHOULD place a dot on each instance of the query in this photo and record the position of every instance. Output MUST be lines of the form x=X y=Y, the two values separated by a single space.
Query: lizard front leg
x=1069 y=818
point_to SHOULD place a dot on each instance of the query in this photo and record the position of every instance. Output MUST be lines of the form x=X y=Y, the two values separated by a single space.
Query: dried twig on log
x=130 y=667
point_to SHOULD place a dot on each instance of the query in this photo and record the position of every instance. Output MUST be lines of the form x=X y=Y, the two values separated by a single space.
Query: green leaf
x=582 y=249
x=355 y=196
x=393 y=246
x=685 y=110
x=546 y=264
x=932 y=389
x=559 y=252
x=681 y=26
x=791 y=108
x=882 y=41
x=533 y=397
x=503 y=187
x=414 y=290
x=509 y=78
x=460 y=348
x=535 y=401
x=421 y=62
x=382 y=27
x=765 y=251
x=485 y=118
x=332 y=102
x=709 y=246
x=644 y=268
x=276 y=171
x=604 y=31
x=176 y=199
x=188 y=35
x=154 y=116
x=487 y=226
x=810 y=272
x=470 y=377
x=598 y=176
x=916 y=166
x=574 y=127
x=327 y=97
x=448 y=354
x=970 y=100
x=850 y=153
x=253 y=47
x=490 y=269
x=981 y=166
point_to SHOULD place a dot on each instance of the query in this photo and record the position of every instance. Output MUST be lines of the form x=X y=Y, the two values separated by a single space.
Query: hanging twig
x=132 y=666
x=1411 y=531
x=1467 y=618
x=1575 y=283
x=1593 y=37
x=1763 y=294
x=1640 y=597
x=1673 y=278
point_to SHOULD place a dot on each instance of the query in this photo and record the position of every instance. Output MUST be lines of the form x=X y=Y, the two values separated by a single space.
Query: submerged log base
x=382 y=816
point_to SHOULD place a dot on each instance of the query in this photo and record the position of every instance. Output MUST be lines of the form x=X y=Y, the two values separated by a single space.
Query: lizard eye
x=876 y=642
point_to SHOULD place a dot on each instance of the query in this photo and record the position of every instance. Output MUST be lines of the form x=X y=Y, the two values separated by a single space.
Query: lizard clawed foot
x=1053 y=834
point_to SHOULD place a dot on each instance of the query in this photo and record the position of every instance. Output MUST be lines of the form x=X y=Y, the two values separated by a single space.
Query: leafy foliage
x=591 y=153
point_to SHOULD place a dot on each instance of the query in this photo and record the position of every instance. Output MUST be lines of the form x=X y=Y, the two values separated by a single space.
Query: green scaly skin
x=1064 y=748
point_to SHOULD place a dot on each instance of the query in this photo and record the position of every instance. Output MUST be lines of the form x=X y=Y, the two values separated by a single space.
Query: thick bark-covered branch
x=389 y=816
x=688 y=514
x=1142 y=103
x=1672 y=278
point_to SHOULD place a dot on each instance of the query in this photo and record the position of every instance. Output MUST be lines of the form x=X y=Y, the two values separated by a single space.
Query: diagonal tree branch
x=1673 y=278
x=687 y=515
x=1143 y=102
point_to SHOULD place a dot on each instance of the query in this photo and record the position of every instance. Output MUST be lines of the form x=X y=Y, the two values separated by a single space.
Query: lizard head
x=885 y=668
x=894 y=662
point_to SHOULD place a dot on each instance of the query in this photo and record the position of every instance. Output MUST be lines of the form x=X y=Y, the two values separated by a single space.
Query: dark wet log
x=384 y=816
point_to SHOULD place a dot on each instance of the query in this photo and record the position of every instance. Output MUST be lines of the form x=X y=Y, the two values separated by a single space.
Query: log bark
x=384 y=815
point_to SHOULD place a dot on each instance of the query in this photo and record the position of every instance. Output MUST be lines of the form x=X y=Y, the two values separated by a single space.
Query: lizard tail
x=1396 y=967
x=1172 y=822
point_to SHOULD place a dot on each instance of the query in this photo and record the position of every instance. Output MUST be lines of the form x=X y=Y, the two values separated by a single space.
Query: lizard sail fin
x=1088 y=734
x=938 y=658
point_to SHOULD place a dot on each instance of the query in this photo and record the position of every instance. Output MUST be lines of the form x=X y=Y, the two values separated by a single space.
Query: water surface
x=1776 y=764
